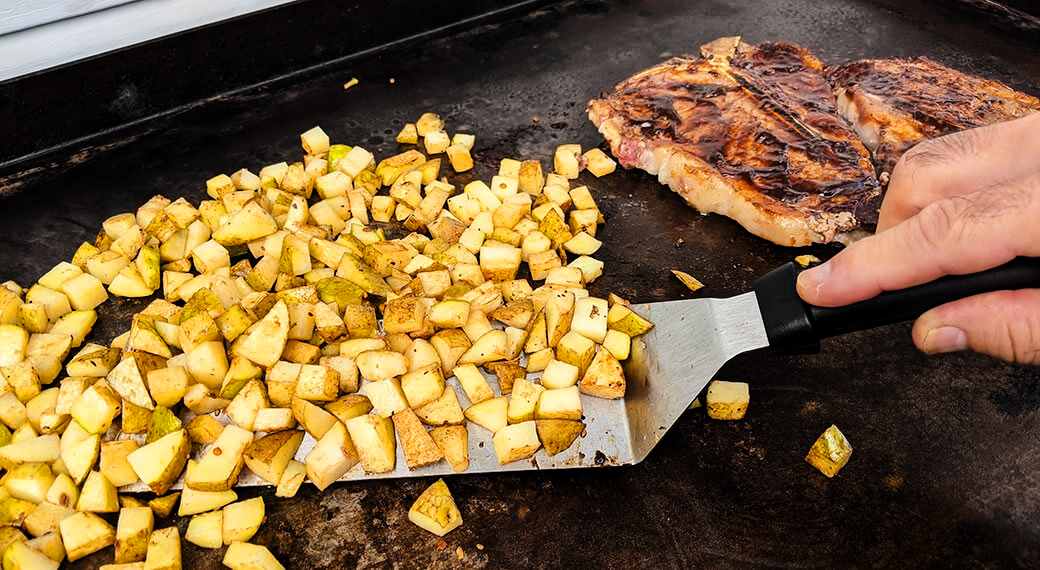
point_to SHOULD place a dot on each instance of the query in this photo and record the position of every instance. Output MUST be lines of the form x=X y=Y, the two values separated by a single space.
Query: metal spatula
x=691 y=339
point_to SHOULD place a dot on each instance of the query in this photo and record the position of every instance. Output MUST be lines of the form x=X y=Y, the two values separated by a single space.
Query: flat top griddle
x=946 y=468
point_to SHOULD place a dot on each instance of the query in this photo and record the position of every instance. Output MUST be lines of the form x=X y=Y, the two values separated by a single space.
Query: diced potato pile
x=282 y=307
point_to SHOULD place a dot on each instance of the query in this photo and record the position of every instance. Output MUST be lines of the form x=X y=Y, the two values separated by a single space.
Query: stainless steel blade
x=667 y=368
x=675 y=360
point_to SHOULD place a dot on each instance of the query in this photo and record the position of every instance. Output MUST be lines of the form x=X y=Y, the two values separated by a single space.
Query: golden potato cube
x=435 y=510
x=492 y=345
x=530 y=177
x=218 y=186
x=450 y=345
x=373 y=436
x=85 y=533
x=459 y=157
x=428 y=123
x=404 y=314
x=480 y=191
x=419 y=448
x=624 y=319
x=604 y=378
x=453 y=441
x=503 y=187
x=558 y=435
x=423 y=385
x=523 y=401
x=386 y=396
x=491 y=414
x=464 y=140
x=382 y=208
x=381 y=364
x=590 y=268
x=506 y=373
x=598 y=163
x=84 y=291
x=113 y=463
x=558 y=374
x=164 y=550
x=542 y=263
x=247 y=403
x=274 y=419
x=727 y=400
x=576 y=349
x=408 y=135
x=445 y=410
x=500 y=263
x=560 y=403
x=132 y=532
x=242 y=519
x=436 y=142
x=618 y=343
x=315 y=141
x=355 y=161
x=830 y=452
x=317 y=383
x=565 y=160
x=451 y=313
x=347 y=370
x=516 y=441
x=538 y=360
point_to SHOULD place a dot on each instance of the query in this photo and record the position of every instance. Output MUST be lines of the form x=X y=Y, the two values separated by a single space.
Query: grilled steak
x=895 y=103
x=750 y=132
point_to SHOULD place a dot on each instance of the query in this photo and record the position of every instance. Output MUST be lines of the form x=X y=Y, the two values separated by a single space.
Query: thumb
x=1004 y=324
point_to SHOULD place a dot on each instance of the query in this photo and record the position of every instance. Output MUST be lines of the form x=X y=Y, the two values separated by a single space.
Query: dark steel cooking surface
x=946 y=468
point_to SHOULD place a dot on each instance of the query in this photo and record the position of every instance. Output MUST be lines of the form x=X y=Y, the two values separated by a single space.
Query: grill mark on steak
x=896 y=103
x=753 y=134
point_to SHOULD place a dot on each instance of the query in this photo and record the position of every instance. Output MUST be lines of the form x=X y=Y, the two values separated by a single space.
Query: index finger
x=957 y=235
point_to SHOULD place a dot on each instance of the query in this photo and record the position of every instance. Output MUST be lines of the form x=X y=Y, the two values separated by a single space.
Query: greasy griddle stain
x=767 y=118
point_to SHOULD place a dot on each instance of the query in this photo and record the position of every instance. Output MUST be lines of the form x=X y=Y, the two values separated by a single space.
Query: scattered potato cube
x=598 y=163
x=246 y=556
x=428 y=123
x=727 y=400
x=459 y=157
x=436 y=142
x=435 y=510
x=408 y=135
x=830 y=452
x=315 y=141
x=565 y=160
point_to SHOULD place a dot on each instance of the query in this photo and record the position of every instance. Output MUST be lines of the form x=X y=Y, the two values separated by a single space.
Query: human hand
x=958 y=204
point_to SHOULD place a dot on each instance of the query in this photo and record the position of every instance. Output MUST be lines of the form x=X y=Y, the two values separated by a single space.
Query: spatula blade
x=671 y=364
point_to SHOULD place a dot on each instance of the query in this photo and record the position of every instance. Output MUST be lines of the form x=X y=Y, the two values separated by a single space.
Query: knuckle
x=945 y=150
x=940 y=225
x=1021 y=332
x=1004 y=324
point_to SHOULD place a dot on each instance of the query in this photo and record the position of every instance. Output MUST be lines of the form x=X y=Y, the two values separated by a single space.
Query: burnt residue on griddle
x=1020 y=396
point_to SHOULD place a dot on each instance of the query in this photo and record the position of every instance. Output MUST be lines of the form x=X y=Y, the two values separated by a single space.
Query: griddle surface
x=946 y=468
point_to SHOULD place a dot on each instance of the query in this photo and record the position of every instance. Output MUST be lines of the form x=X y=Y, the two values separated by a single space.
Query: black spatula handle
x=796 y=327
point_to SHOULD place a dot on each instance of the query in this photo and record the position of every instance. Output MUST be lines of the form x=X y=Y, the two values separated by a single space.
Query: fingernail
x=944 y=339
x=813 y=279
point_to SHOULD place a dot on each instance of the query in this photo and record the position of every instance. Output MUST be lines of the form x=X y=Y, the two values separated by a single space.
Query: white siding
x=86 y=32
